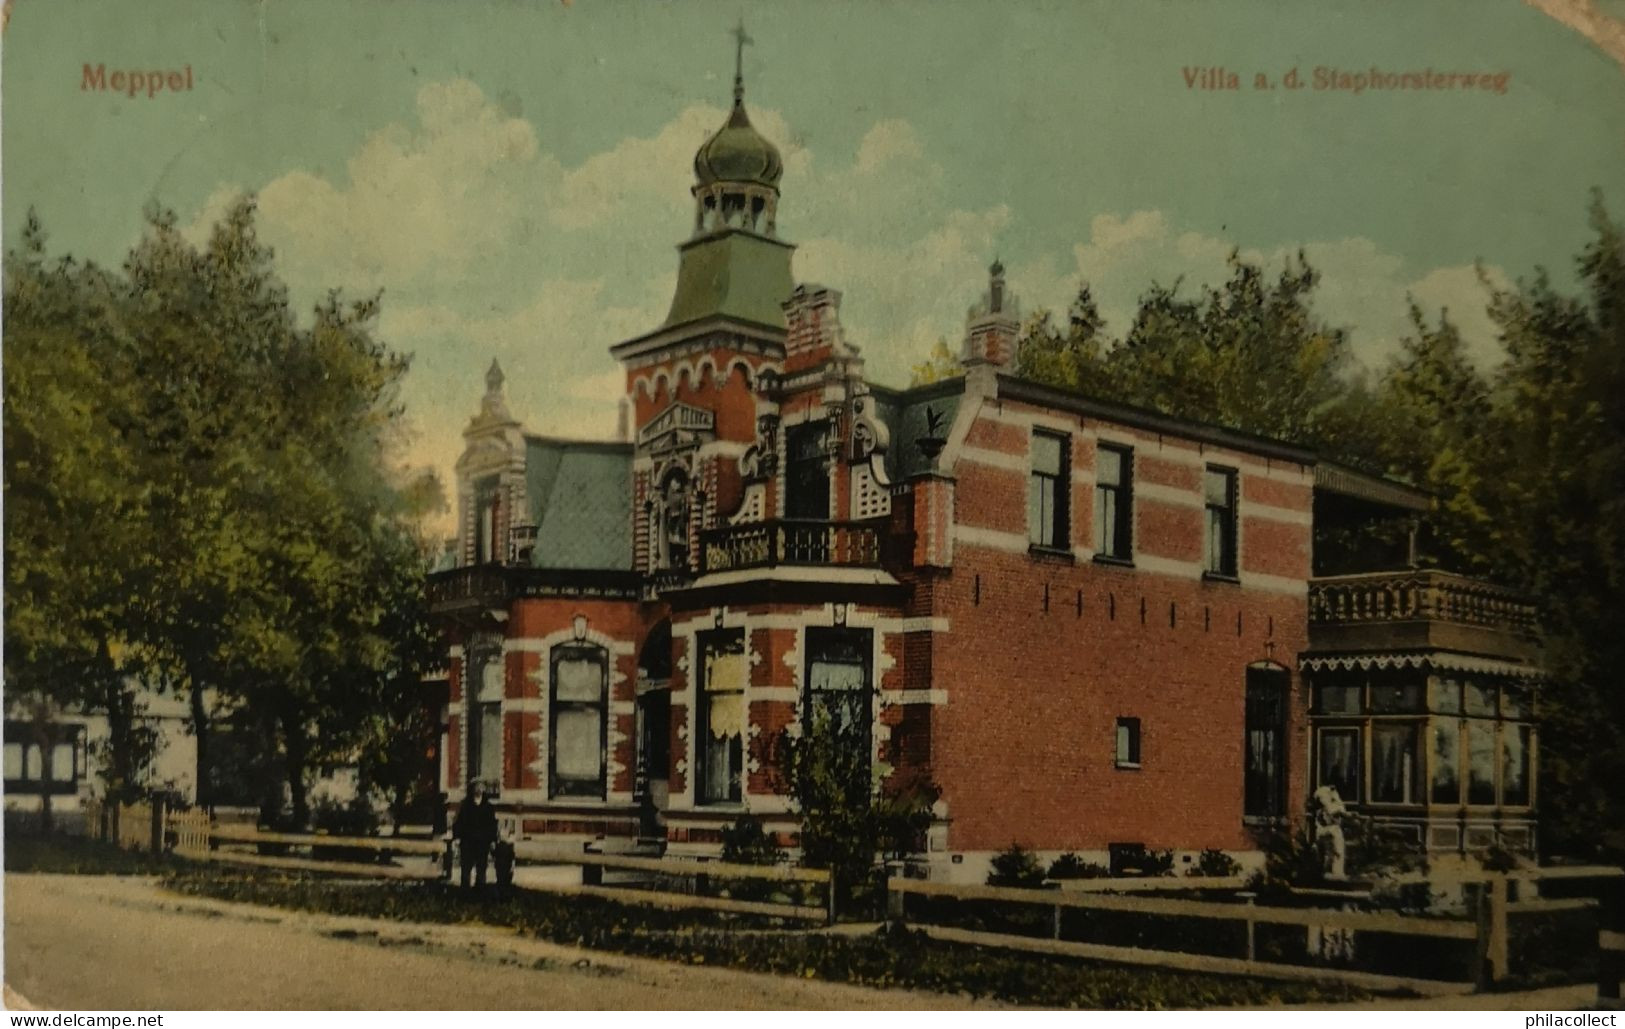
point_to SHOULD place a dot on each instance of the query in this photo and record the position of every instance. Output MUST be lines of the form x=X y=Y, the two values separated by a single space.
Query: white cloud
x=1362 y=288
x=488 y=245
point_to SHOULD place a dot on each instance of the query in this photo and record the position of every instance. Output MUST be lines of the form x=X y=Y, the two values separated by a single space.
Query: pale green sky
x=514 y=174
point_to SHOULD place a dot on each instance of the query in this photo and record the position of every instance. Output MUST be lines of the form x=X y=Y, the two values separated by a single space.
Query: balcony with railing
x=776 y=543
x=474 y=589
x=1419 y=609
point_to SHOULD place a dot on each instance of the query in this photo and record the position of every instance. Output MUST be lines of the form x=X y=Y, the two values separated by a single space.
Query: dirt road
x=85 y=942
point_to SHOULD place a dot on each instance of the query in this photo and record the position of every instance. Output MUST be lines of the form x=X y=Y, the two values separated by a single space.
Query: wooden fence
x=1488 y=929
x=194 y=837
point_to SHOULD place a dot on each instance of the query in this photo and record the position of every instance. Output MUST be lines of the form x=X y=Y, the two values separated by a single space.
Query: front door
x=654 y=759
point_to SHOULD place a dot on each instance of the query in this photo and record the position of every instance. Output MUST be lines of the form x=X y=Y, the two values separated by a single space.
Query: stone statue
x=1329 y=812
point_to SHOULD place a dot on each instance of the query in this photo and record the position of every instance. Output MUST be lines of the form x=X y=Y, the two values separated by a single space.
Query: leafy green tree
x=205 y=499
x=1074 y=358
x=1553 y=478
x=942 y=363
x=71 y=518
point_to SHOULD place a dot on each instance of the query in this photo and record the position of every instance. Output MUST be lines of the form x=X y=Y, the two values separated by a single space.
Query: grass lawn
x=886 y=959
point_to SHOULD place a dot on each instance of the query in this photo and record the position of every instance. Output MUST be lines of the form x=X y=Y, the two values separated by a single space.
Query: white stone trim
x=545 y=644
x=1274 y=583
x=992 y=539
x=933 y=696
x=1167 y=566
x=970 y=408
x=937 y=623
x=1267 y=512
x=724 y=448
x=995 y=459
x=1028 y=419
x=1164 y=494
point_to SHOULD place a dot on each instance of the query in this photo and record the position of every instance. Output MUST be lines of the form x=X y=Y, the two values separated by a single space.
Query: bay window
x=1427 y=739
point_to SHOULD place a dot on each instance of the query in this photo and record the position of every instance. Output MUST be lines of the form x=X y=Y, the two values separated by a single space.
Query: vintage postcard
x=729 y=505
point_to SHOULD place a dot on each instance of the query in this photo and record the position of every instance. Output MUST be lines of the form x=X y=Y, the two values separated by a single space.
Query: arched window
x=580 y=696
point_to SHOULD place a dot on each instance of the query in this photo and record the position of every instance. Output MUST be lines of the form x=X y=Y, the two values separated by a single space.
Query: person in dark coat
x=476 y=831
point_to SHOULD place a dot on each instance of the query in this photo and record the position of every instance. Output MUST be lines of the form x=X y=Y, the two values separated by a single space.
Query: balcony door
x=806 y=476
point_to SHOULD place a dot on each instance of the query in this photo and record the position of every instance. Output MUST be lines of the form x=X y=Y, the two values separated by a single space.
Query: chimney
x=993 y=327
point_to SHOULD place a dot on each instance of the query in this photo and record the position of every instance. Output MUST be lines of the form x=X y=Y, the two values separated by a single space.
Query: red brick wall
x=1024 y=748
x=534 y=619
x=1044 y=654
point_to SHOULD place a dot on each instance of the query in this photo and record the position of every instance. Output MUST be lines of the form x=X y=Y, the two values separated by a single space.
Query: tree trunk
x=44 y=737
x=200 y=731
x=119 y=775
x=296 y=754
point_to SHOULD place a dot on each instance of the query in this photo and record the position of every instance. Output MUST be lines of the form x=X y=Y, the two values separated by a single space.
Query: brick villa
x=1095 y=627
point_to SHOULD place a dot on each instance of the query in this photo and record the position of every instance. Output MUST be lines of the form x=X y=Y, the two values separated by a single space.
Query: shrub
x=1158 y=862
x=1017 y=866
x=851 y=811
x=1215 y=864
x=1070 y=866
x=356 y=818
x=746 y=842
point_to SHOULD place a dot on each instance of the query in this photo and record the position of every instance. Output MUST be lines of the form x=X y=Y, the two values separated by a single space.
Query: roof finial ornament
x=741 y=39
x=493 y=406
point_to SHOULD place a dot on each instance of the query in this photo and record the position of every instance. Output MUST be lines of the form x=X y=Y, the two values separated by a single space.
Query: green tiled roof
x=736 y=274
x=581 y=503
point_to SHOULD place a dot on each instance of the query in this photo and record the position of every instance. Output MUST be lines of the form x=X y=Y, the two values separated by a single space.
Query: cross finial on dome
x=741 y=39
x=494 y=377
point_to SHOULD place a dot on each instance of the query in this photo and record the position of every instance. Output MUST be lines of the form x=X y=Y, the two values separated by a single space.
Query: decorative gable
x=677 y=427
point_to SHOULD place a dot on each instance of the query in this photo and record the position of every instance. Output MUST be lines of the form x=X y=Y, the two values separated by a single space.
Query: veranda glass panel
x=1445 y=761
x=1400 y=698
x=1515 y=741
x=1480 y=699
x=1444 y=696
x=1394 y=768
x=1480 y=762
x=1338 y=699
x=1340 y=761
